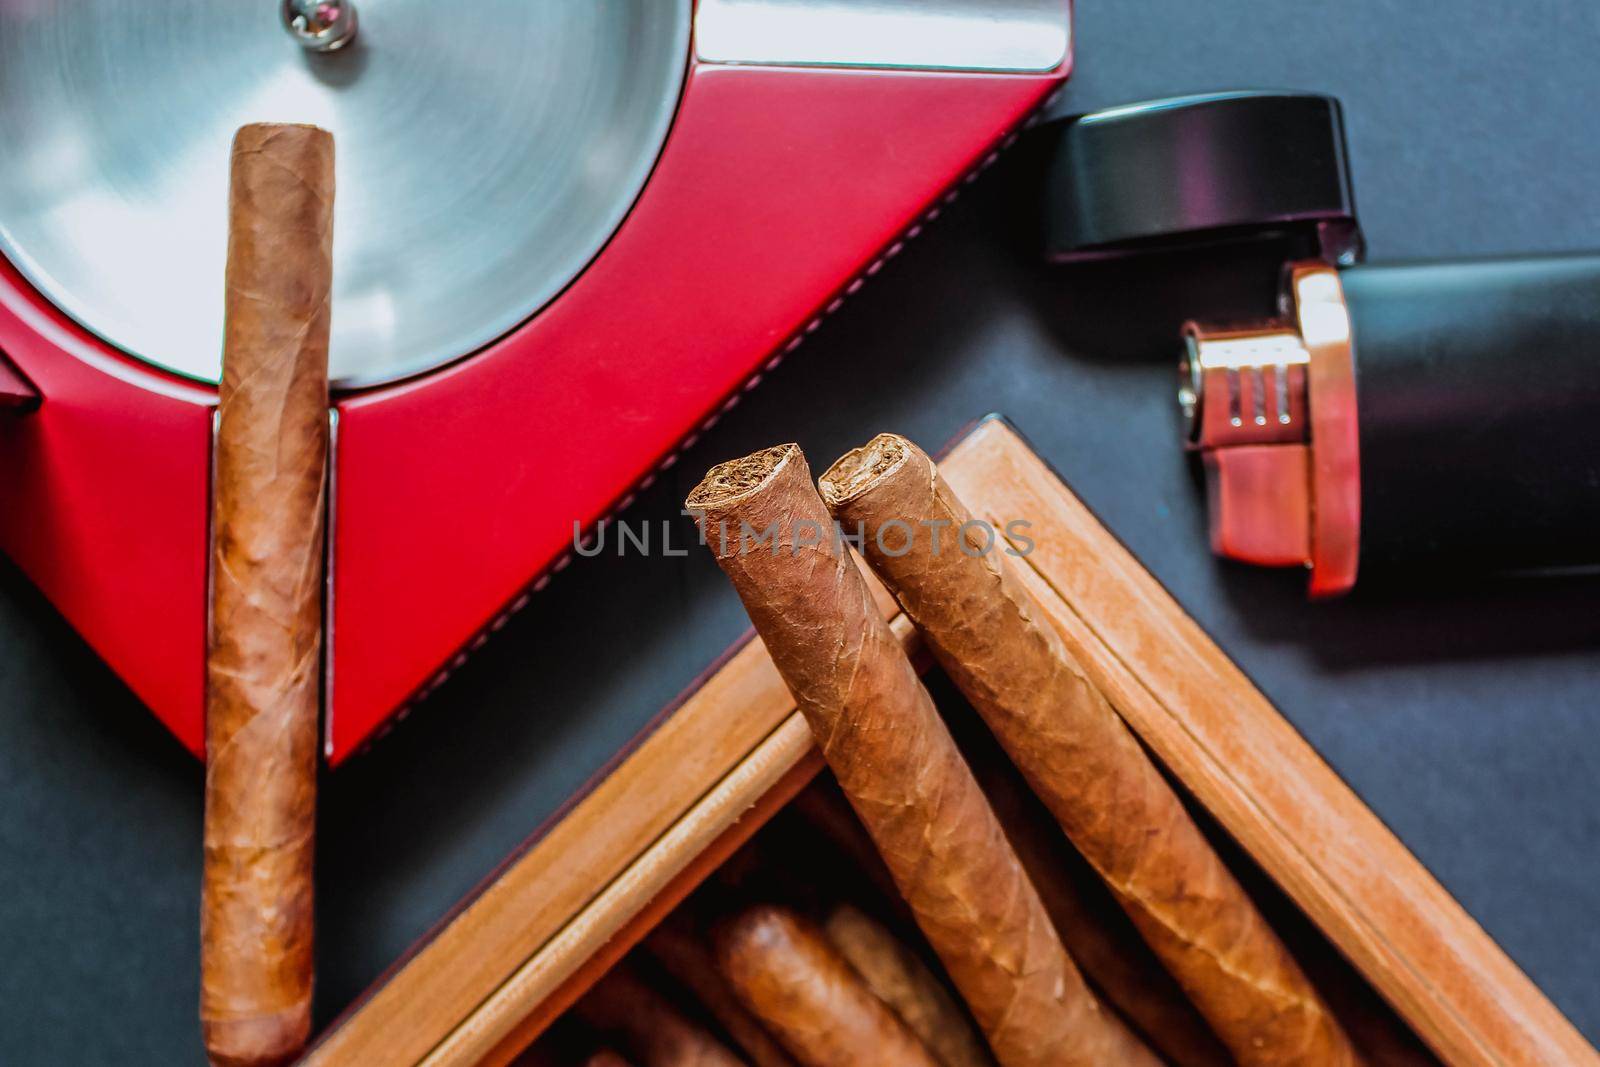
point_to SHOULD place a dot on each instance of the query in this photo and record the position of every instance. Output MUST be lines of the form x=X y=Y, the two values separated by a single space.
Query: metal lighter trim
x=1271 y=408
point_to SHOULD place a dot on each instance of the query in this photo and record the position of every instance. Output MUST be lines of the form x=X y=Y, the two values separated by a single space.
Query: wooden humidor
x=733 y=752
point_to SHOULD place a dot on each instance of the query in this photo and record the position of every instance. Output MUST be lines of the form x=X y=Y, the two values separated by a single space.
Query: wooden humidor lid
x=733 y=751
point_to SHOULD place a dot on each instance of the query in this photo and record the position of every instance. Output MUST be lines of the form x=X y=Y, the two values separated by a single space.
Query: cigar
x=264 y=642
x=1094 y=930
x=785 y=971
x=901 y=980
x=677 y=946
x=899 y=768
x=1097 y=933
x=995 y=642
x=623 y=1008
x=1378 y=1034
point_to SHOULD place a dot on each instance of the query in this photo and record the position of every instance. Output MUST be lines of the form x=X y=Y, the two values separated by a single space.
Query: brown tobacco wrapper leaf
x=263 y=663
x=677 y=946
x=996 y=643
x=1098 y=934
x=647 y=1026
x=792 y=978
x=899 y=768
x=901 y=980
x=1379 y=1035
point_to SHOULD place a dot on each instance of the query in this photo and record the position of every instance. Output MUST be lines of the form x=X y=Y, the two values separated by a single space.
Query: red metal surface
x=775 y=189
x=103 y=502
x=1259 y=504
x=1335 y=436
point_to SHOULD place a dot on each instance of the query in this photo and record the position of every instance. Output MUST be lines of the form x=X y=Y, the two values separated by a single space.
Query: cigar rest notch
x=17 y=394
x=733 y=755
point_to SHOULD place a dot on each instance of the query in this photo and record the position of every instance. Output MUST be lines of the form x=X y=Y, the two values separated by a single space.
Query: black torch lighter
x=1410 y=417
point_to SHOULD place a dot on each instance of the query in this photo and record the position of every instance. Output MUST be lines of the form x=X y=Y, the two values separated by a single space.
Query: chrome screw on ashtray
x=320 y=25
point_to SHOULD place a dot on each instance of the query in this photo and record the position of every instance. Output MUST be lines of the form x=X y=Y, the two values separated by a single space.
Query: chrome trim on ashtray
x=987 y=35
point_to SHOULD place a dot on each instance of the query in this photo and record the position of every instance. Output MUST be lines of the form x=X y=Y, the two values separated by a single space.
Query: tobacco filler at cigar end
x=1431 y=417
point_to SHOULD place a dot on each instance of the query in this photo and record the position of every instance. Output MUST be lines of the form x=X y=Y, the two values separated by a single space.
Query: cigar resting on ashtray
x=1097 y=933
x=791 y=978
x=677 y=945
x=264 y=642
x=996 y=643
x=902 y=981
x=623 y=1009
x=899 y=768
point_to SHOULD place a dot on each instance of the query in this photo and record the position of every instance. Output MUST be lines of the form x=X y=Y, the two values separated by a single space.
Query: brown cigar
x=623 y=1008
x=263 y=658
x=785 y=971
x=901 y=980
x=678 y=947
x=996 y=643
x=898 y=766
x=1098 y=935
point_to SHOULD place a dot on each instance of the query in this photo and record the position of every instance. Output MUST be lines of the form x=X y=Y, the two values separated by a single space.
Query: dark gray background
x=1466 y=720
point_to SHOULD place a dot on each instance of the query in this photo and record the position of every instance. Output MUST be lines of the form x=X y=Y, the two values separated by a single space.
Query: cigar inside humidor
x=798 y=909
x=1404 y=972
x=1078 y=755
x=898 y=766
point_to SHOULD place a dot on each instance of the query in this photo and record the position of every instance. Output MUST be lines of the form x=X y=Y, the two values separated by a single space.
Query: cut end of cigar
x=253 y=133
x=304 y=151
x=861 y=468
x=737 y=478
